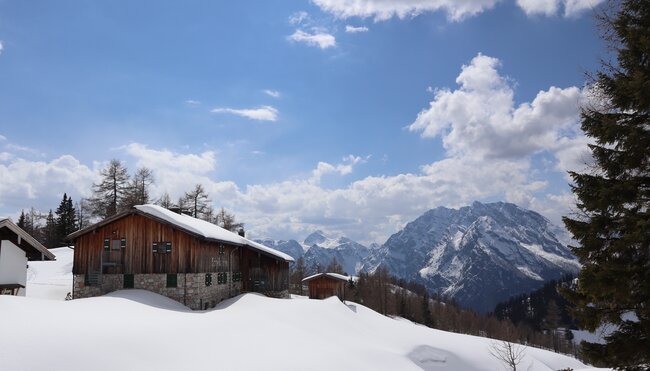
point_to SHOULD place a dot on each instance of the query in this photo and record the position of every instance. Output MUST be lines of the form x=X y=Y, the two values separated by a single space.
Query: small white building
x=17 y=247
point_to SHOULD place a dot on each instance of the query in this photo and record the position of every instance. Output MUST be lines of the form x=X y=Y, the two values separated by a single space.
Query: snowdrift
x=140 y=330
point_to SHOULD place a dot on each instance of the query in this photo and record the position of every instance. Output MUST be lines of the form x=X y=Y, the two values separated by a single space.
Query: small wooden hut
x=189 y=260
x=324 y=285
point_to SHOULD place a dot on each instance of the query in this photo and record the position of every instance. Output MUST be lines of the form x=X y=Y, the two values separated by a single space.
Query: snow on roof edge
x=333 y=275
x=207 y=229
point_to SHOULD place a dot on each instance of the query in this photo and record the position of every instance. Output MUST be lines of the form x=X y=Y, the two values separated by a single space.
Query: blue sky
x=351 y=116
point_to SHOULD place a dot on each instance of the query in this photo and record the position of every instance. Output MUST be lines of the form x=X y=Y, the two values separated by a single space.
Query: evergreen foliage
x=542 y=309
x=612 y=224
x=66 y=220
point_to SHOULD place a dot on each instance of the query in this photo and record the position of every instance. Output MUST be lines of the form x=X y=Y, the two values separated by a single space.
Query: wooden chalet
x=189 y=260
x=17 y=247
x=324 y=285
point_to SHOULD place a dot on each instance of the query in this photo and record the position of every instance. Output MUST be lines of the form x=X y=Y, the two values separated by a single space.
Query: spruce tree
x=612 y=226
x=66 y=219
x=50 y=236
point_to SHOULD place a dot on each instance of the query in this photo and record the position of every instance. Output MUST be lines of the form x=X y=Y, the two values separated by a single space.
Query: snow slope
x=136 y=329
x=51 y=279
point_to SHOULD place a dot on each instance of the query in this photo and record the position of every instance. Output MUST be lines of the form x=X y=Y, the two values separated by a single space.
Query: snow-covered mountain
x=321 y=249
x=291 y=247
x=479 y=255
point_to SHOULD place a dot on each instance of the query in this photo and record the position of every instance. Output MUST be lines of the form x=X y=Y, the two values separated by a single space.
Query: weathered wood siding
x=262 y=273
x=324 y=287
x=188 y=254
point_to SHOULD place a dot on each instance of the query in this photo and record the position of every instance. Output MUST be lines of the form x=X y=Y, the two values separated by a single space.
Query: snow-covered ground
x=51 y=279
x=139 y=330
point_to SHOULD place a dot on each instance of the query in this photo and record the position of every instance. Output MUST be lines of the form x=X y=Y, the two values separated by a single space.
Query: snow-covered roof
x=27 y=242
x=195 y=226
x=207 y=229
x=333 y=275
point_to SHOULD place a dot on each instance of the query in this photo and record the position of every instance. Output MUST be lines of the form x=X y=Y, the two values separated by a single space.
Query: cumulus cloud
x=571 y=8
x=492 y=146
x=382 y=10
x=24 y=182
x=319 y=39
x=343 y=168
x=480 y=118
x=1 y=47
x=192 y=102
x=272 y=93
x=352 y=29
x=263 y=113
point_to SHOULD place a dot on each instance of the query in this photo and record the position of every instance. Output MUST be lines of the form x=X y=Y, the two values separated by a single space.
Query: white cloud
x=192 y=102
x=263 y=113
x=480 y=118
x=25 y=183
x=491 y=147
x=1 y=47
x=572 y=8
x=174 y=172
x=382 y=10
x=272 y=93
x=2 y=138
x=298 y=18
x=343 y=168
x=322 y=40
x=352 y=29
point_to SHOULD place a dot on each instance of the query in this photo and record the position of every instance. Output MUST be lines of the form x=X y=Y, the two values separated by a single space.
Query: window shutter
x=107 y=244
x=172 y=280
x=128 y=281
x=168 y=247
x=154 y=247
x=123 y=243
x=208 y=279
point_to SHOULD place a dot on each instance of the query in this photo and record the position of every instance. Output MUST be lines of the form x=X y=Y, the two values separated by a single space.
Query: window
x=172 y=280
x=222 y=249
x=208 y=279
x=107 y=244
x=128 y=281
x=236 y=276
x=161 y=247
x=116 y=245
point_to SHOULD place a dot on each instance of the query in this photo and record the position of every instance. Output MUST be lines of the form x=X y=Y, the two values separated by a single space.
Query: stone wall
x=191 y=289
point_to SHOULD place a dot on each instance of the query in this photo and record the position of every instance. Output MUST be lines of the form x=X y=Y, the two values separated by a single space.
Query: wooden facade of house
x=155 y=249
x=325 y=285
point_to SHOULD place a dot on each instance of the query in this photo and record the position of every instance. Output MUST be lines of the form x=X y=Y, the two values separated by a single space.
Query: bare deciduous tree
x=510 y=354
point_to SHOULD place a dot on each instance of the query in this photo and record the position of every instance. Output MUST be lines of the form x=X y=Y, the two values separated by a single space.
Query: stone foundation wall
x=191 y=289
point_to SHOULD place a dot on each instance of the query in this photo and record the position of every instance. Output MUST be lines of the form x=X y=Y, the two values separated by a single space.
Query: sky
x=349 y=116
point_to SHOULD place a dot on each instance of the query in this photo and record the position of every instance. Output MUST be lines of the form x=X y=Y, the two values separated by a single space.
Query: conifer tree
x=50 y=235
x=22 y=220
x=612 y=225
x=66 y=219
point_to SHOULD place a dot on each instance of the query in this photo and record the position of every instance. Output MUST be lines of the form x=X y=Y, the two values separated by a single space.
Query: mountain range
x=478 y=255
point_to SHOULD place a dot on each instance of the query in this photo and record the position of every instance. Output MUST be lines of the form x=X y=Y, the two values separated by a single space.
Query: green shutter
x=172 y=280
x=123 y=243
x=154 y=247
x=208 y=279
x=107 y=244
x=128 y=281
x=168 y=247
